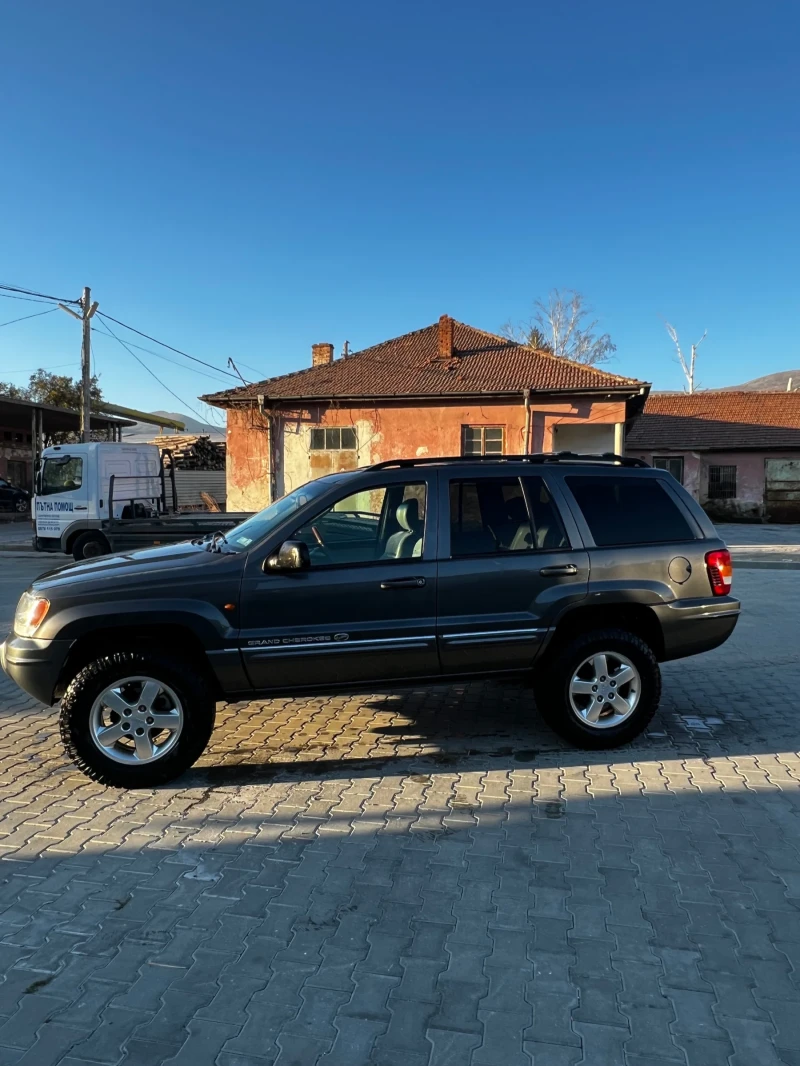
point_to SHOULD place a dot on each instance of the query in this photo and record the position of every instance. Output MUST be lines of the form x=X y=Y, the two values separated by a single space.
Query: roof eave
x=617 y=389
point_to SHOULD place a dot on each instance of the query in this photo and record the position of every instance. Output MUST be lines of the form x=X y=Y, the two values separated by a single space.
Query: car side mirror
x=292 y=555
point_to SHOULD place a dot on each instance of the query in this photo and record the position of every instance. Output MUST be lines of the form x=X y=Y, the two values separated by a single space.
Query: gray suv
x=582 y=571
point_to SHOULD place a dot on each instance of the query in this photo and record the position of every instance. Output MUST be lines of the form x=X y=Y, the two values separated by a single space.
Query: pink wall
x=750 y=478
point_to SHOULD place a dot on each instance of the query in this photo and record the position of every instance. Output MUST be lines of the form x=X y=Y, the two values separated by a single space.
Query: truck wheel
x=89 y=546
x=136 y=719
x=601 y=689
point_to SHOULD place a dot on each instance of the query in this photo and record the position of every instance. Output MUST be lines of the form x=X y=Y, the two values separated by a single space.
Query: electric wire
x=43 y=295
x=26 y=317
x=151 y=372
x=163 y=344
x=166 y=358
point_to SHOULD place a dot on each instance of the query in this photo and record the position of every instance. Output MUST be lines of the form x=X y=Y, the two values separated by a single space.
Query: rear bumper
x=690 y=627
x=34 y=665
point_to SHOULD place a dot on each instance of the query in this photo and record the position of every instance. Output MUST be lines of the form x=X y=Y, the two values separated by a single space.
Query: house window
x=333 y=440
x=672 y=463
x=721 y=482
x=482 y=440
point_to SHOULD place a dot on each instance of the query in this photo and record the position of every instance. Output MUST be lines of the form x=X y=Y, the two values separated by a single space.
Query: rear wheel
x=89 y=546
x=601 y=689
x=136 y=719
x=21 y=506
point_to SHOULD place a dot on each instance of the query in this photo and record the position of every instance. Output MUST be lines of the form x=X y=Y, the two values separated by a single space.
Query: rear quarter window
x=626 y=510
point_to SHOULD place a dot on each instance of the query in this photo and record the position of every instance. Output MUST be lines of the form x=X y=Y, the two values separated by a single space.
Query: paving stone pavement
x=421 y=878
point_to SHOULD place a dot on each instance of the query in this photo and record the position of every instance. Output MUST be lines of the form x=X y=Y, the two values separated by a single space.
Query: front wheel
x=601 y=689
x=89 y=545
x=136 y=719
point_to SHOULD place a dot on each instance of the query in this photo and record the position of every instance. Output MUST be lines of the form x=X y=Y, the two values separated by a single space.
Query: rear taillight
x=720 y=571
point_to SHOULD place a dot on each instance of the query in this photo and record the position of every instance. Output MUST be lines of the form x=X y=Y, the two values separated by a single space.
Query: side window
x=633 y=510
x=491 y=515
x=378 y=524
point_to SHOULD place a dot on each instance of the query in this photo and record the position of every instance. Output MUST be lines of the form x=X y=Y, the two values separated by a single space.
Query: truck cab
x=71 y=503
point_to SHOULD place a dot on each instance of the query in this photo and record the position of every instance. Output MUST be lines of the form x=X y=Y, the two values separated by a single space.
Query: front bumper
x=690 y=627
x=35 y=665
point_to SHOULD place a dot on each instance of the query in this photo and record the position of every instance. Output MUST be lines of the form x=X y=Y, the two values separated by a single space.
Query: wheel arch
x=95 y=644
x=638 y=618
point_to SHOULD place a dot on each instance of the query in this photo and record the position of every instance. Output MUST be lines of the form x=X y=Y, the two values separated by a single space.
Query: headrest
x=408 y=515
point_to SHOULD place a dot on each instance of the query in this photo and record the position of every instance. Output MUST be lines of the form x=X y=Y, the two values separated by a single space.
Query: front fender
x=209 y=624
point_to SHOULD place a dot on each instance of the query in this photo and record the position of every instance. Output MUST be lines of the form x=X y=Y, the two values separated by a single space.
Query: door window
x=490 y=515
x=382 y=524
x=632 y=510
x=62 y=474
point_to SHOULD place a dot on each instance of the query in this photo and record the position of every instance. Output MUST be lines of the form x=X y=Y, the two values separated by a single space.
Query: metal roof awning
x=17 y=415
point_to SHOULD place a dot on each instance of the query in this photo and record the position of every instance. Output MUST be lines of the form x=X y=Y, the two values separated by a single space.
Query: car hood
x=147 y=563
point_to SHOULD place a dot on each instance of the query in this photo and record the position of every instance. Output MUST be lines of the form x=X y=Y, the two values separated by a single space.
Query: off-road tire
x=86 y=544
x=554 y=675
x=184 y=679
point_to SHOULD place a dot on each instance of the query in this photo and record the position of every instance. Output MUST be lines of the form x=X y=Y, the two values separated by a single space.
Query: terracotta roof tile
x=718 y=421
x=410 y=366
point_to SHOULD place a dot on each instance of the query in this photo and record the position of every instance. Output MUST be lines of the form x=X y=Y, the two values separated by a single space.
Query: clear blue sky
x=246 y=179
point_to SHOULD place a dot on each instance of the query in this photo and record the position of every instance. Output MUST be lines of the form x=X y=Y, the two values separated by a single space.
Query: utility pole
x=87 y=310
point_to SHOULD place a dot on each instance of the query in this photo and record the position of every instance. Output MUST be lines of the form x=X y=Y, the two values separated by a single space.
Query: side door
x=510 y=561
x=365 y=609
x=62 y=502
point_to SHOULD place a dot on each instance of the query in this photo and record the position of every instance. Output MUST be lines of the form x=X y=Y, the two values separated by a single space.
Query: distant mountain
x=768 y=383
x=142 y=431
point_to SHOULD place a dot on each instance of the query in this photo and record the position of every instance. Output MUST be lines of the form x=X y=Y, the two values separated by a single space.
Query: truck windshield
x=63 y=473
x=261 y=524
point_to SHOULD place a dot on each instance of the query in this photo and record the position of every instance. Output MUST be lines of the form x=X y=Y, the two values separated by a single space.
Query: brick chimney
x=445 y=337
x=321 y=354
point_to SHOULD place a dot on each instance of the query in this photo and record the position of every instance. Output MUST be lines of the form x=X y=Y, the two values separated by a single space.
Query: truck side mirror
x=292 y=555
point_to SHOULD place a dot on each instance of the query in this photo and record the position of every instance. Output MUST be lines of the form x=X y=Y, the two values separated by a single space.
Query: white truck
x=92 y=499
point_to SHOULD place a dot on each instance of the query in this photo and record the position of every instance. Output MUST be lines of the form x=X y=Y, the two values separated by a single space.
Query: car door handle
x=559 y=571
x=404 y=583
x=77 y=507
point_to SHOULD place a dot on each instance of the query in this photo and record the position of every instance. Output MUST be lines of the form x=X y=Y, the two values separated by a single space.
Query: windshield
x=61 y=474
x=259 y=525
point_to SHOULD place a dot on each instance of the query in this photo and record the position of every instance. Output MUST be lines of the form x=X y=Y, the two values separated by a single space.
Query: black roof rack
x=536 y=457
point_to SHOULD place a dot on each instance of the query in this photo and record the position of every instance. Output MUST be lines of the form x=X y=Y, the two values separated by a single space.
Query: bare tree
x=563 y=326
x=687 y=366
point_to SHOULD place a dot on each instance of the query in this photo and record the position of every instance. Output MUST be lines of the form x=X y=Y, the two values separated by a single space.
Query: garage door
x=782 y=495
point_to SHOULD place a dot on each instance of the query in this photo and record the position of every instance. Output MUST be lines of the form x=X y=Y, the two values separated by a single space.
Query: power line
x=166 y=358
x=26 y=317
x=33 y=369
x=43 y=295
x=27 y=299
x=163 y=344
x=149 y=371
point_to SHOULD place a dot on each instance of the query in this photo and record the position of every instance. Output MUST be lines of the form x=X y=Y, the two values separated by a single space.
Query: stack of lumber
x=193 y=452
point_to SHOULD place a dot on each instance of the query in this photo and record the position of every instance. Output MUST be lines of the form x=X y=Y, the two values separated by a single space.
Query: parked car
x=13 y=498
x=584 y=572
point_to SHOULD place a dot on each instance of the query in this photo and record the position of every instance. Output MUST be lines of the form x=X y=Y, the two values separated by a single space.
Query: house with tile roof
x=447 y=389
x=738 y=453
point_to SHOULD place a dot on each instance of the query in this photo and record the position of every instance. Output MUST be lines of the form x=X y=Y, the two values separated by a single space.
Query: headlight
x=31 y=612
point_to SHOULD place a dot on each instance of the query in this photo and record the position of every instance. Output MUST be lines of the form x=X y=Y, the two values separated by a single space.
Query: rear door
x=510 y=562
x=366 y=608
